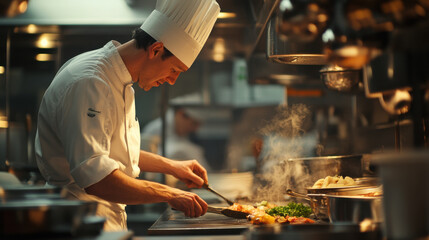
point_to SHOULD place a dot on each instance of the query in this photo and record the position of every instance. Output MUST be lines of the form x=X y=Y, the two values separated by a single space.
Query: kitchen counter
x=174 y=225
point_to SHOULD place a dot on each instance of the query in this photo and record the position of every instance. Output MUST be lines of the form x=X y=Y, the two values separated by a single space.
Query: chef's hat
x=183 y=26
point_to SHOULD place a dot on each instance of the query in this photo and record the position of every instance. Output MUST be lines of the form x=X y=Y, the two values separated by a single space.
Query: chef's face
x=160 y=69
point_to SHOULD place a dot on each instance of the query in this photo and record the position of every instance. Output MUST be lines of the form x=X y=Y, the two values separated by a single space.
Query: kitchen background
x=257 y=70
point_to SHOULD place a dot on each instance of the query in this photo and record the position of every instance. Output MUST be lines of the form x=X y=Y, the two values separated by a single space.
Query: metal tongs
x=227 y=212
x=206 y=186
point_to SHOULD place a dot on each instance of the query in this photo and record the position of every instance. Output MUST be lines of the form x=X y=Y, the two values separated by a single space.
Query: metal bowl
x=341 y=79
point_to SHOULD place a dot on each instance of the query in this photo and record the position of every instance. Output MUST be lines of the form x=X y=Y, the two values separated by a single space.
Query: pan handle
x=297 y=195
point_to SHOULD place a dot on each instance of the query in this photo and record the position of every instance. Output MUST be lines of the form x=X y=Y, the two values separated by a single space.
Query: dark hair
x=144 y=40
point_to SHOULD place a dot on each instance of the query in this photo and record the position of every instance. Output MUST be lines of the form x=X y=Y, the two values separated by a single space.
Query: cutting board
x=174 y=222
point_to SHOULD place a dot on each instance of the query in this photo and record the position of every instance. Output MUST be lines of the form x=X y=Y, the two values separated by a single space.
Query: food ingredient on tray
x=292 y=209
x=334 y=181
x=258 y=214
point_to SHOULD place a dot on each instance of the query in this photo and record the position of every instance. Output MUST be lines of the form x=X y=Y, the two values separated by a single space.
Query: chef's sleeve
x=86 y=129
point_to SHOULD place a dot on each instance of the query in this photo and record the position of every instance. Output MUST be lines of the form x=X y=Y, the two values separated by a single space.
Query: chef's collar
x=121 y=70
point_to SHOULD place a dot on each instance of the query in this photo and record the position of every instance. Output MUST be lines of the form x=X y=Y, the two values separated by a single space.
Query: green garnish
x=292 y=209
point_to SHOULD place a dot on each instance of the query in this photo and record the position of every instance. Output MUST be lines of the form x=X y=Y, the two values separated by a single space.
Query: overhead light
x=219 y=50
x=31 y=28
x=11 y=8
x=224 y=15
x=3 y=122
x=44 y=57
x=47 y=40
x=35 y=29
x=22 y=7
x=1 y=70
x=218 y=57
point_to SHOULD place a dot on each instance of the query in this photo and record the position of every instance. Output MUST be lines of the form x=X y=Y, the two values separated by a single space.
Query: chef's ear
x=156 y=49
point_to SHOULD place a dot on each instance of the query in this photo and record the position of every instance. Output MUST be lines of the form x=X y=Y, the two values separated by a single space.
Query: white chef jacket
x=87 y=127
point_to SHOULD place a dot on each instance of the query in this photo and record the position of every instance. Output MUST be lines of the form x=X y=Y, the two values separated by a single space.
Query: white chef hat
x=183 y=26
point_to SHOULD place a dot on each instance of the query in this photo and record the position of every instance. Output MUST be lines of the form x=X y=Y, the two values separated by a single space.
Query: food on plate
x=334 y=181
x=267 y=213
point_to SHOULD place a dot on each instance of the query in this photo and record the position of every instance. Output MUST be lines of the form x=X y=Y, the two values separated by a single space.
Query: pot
x=314 y=168
x=319 y=200
x=341 y=79
x=44 y=216
x=351 y=205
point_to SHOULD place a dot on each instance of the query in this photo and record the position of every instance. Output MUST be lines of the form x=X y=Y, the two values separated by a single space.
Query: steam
x=282 y=141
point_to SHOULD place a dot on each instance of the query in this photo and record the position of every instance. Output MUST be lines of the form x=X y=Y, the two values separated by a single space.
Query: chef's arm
x=119 y=187
x=150 y=162
x=189 y=172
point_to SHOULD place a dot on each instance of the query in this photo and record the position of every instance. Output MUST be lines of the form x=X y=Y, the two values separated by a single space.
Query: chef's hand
x=190 y=172
x=189 y=203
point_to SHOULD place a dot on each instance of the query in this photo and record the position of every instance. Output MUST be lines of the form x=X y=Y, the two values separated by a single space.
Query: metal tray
x=175 y=223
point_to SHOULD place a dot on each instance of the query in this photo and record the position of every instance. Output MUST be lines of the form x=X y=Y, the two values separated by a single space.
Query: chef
x=88 y=137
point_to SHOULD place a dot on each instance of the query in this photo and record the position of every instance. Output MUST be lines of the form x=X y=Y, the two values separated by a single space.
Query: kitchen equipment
x=45 y=216
x=314 y=168
x=319 y=200
x=405 y=180
x=291 y=50
x=176 y=223
x=227 y=212
x=293 y=36
x=397 y=102
x=341 y=79
x=385 y=73
x=206 y=186
x=355 y=205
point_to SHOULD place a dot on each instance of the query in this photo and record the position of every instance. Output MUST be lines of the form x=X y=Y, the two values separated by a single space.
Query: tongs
x=206 y=186
x=227 y=212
